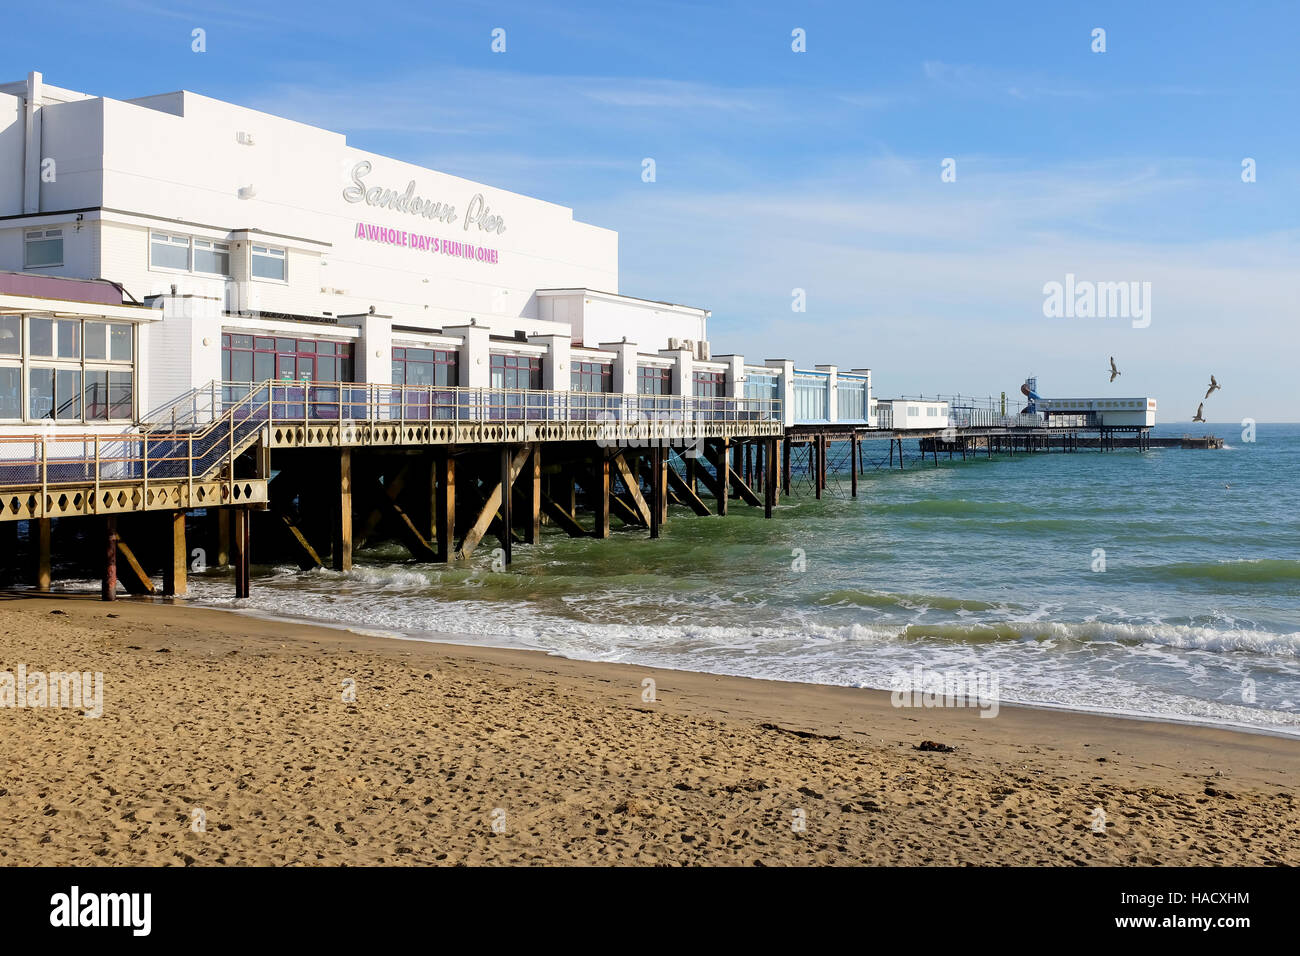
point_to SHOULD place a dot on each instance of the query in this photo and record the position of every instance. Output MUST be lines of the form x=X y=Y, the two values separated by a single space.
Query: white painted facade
x=237 y=228
x=1110 y=412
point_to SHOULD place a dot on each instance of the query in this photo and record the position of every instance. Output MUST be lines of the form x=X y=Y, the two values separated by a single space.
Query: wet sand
x=444 y=745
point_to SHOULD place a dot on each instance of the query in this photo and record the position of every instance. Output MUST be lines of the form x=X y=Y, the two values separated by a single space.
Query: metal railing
x=50 y=459
x=320 y=402
x=197 y=407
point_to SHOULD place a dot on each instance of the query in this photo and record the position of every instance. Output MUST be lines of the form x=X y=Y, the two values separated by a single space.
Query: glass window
x=120 y=395
x=40 y=337
x=69 y=338
x=268 y=263
x=40 y=393
x=263 y=366
x=95 y=396
x=710 y=384
x=67 y=394
x=592 y=377
x=421 y=366
x=653 y=380
x=169 y=252
x=516 y=371
x=212 y=257
x=241 y=367
x=11 y=335
x=42 y=248
x=11 y=392
x=96 y=340
x=120 y=347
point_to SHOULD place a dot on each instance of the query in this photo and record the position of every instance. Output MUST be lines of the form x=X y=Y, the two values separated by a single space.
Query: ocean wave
x=909 y=602
x=1244 y=571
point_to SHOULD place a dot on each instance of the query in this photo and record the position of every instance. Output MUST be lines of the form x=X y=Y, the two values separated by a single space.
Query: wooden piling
x=108 y=584
x=175 y=570
x=600 y=494
x=342 y=517
x=853 y=466
x=444 y=513
x=656 y=489
x=769 y=477
x=723 y=466
x=532 y=494
x=241 y=551
x=40 y=531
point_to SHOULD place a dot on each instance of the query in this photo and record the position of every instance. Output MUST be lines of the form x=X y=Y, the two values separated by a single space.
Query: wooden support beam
x=656 y=489
x=600 y=495
x=175 y=571
x=220 y=518
x=769 y=478
x=815 y=460
x=108 y=584
x=686 y=493
x=633 y=487
x=492 y=504
x=392 y=488
x=721 y=459
x=408 y=531
x=785 y=465
x=305 y=554
x=444 y=517
x=136 y=580
x=532 y=493
x=39 y=530
x=562 y=518
x=746 y=493
x=504 y=534
x=854 y=451
x=341 y=549
x=622 y=509
x=664 y=454
x=242 y=551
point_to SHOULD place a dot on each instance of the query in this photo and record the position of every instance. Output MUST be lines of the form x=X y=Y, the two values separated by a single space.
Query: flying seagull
x=1199 y=417
x=1113 y=370
x=1214 y=386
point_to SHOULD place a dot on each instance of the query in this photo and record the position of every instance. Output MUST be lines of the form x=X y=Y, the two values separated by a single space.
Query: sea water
x=1164 y=583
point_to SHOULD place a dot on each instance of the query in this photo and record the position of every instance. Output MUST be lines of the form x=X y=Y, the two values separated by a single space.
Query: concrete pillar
x=556 y=369
x=475 y=354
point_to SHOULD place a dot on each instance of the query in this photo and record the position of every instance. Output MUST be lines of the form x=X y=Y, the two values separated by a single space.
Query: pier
x=233 y=473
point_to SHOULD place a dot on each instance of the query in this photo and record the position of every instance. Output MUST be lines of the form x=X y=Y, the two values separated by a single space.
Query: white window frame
x=268 y=252
x=44 y=235
x=213 y=246
x=25 y=362
x=171 y=237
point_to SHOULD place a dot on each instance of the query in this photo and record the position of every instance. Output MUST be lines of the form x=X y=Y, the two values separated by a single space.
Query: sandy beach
x=245 y=720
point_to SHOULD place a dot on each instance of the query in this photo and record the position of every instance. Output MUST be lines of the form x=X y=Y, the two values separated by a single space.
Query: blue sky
x=820 y=170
